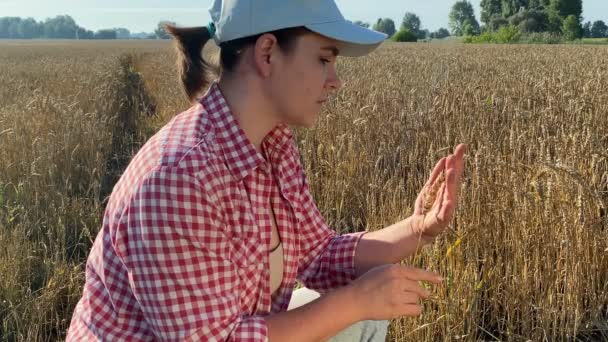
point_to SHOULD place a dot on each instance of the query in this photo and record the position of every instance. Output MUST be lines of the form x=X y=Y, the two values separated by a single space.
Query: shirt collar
x=239 y=153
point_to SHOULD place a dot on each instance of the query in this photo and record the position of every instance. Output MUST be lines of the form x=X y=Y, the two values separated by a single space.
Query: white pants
x=364 y=331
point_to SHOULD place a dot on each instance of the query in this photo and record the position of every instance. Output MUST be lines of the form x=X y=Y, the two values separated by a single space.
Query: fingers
x=445 y=203
x=415 y=288
x=410 y=299
x=447 y=212
x=460 y=150
x=456 y=160
x=450 y=195
x=416 y=274
x=412 y=290
x=436 y=171
x=455 y=169
x=453 y=161
x=439 y=200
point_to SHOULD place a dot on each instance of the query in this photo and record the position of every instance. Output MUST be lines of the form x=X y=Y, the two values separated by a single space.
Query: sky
x=143 y=15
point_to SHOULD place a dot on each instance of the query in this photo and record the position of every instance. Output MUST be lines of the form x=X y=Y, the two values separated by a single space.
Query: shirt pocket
x=293 y=199
x=247 y=248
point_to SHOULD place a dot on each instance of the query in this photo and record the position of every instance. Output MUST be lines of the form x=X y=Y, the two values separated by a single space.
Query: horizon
x=143 y=16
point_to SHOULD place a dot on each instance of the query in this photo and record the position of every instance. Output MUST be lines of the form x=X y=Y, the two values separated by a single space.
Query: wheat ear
x=431 y=195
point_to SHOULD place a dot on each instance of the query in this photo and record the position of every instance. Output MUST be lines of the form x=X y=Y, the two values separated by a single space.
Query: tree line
x=556 y=17
x=59 y=27
x=533 y=16
x=65 y=27
x=410 y=30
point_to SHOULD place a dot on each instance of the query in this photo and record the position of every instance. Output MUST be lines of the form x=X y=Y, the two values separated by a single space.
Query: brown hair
x=196 y=74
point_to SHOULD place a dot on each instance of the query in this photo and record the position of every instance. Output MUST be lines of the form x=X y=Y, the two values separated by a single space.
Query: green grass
x=595 y=41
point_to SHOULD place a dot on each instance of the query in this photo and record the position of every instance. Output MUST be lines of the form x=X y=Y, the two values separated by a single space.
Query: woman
x=212 y=222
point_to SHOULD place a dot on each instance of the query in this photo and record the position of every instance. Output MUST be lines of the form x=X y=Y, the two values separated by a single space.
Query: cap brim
x=355 y=40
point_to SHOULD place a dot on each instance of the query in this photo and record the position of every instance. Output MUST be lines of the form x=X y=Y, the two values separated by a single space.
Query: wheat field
x=525 y=259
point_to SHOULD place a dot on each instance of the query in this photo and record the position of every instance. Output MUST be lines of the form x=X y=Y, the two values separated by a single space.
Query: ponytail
x=195 y=73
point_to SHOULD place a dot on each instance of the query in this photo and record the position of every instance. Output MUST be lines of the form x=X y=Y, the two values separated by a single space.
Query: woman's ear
x=264 y=53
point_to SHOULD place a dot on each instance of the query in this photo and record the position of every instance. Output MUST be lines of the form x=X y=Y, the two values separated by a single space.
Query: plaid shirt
x=183 y=253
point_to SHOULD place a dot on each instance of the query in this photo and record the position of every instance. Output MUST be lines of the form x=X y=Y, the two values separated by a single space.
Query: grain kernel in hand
x=431 y=195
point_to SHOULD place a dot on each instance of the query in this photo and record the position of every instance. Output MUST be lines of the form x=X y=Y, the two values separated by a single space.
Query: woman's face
x=302 y=80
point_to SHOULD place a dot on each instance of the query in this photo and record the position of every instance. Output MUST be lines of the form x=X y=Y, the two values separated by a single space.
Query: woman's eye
x=325 y=60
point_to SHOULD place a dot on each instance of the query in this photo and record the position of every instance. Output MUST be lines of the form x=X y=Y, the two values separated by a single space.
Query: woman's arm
x=388 y=246
x=318 y=320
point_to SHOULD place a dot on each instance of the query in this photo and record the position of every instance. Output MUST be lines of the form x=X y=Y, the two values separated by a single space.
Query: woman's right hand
x=391 y=291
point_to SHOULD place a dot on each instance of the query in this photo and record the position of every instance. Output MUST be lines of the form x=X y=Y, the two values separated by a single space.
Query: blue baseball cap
x=235 y=19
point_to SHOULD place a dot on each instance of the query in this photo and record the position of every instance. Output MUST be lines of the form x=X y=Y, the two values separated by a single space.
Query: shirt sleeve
x=328 y=259
x=176 y=254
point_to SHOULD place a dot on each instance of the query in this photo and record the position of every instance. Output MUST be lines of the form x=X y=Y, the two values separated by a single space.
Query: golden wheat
x=526 y=256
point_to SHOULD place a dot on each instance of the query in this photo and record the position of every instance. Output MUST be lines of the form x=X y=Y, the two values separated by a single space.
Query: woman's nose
x=333 y=81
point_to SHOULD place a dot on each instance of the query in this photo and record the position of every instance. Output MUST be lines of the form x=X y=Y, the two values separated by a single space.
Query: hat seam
x=251 y=32
x=304 y=25
x=326 y=22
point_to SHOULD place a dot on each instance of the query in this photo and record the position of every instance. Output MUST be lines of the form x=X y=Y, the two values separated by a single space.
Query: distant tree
x=160 y=32
x=461 y=17
x=14 y=28
x=424 y=34
x=533 y=20
x=565 y=8
x=9 y=27
x=599 y=29
x=539 y=4
x=122 y=33
x=385 y=25
x=587 y=30
x=555 y=21
x=105 y=34
x=362 y=24
x=62 y=26
x=470 y=28
x=17 y=28
x=3 y=28
x=572 y=27
x=490 y=9
x=511 y=7
x=29 y=28
x=405 y=35
x=441 y=33
x=411 y=22
x=496 y=22
x=83 y=33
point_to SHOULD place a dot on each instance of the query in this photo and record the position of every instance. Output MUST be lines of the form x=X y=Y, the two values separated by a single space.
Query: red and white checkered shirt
x=184 y=249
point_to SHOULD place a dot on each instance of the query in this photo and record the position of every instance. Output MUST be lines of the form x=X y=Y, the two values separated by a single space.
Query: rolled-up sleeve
x=176 y=253
x=328 y=259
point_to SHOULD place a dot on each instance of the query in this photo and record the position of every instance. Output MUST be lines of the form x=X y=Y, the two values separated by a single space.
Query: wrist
x=416 y=226
x=353 y=307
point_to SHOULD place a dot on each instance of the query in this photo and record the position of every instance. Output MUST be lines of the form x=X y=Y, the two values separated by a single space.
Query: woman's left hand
x=437 y=202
